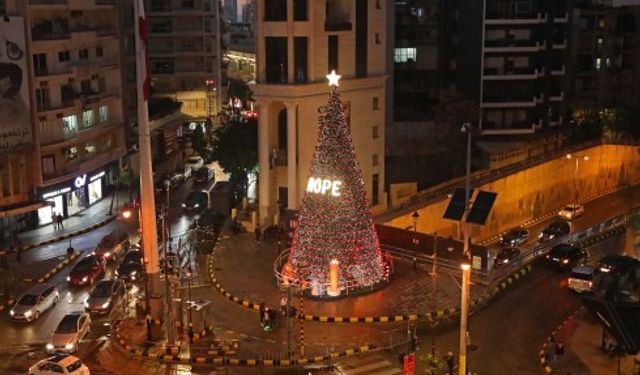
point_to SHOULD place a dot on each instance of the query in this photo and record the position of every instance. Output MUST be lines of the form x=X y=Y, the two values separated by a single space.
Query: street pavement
x=508 y=333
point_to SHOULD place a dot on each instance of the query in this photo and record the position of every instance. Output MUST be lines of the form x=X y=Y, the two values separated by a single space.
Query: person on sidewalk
x=60 y=218
x=54 y=220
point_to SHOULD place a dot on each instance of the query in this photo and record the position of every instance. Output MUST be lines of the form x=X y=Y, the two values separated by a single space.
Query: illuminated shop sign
x=76 y=183
x=324 y=186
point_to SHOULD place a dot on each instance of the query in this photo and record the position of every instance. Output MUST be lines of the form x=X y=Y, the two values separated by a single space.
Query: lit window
x=403 y=55
x=90 y=148
x=88 y=119
x=103 y=113
x=70 y=124
x=598 y=63
x=71 y=153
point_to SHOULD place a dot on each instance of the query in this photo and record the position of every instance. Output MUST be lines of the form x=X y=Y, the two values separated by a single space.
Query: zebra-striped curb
x=56 y=269
x=547 y=342
x=602 y=236
x=69 y=235
x=172 y=356
x=430 y=316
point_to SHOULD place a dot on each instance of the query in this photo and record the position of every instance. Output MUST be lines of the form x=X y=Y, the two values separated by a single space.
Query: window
x=90 y=149
x=377 y=38
x=99 y=51
x=300 y=58
x=48 y=165
x=70 y=153
x=276 y=59
x=374 y=160
x=378 y=4
x=333 y=53
x=103 y=113
x=70 y=125
x=300 y=10
x=403 y=55
x=85 y=86
x=40 y=64
x=275 y=10
x=42 y=97
x=83 y=54
x=375 y=104
x=375 y=182
x=376 y=132
x=88 y=119
x=188 y=4
x=64 y=56
x=67 y=94
x=598 y=63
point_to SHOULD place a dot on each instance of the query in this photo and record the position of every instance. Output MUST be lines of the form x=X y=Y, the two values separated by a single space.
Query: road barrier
x=44 y=278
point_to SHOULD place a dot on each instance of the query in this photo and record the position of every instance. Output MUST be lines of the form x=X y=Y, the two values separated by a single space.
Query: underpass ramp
x=373 y=364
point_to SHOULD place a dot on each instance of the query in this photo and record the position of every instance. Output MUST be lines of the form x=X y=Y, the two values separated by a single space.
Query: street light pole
x=466 y=276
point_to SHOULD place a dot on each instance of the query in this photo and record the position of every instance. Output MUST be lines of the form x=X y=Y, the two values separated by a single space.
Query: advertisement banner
x=15 y=116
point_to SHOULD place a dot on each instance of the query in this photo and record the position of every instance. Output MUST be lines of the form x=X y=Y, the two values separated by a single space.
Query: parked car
x=131 y=267
x=61 y=364
x=185 y=172
x=571 y=211
x=104 y=295
x=195 y=162
x=37 y=300
x=505 y=255
x=86 y=271
x=175 y=179
x=196 y=200
x=203 y=175
x=72 y=328
x=554 y=230
x=610 y=263
x=582 y=278
x=565 y=255
x=113 y=245
x=514 y=237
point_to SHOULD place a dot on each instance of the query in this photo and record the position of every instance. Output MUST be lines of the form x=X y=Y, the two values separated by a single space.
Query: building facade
x=231 y=11
x=249 y=12
x=75 y=96
x=184 y=53
x=241 y=54
x=298 y=43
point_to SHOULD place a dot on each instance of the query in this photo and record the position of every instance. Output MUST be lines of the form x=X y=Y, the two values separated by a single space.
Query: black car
x=610 y=263
x=505 y=255
x=203 y=175
x=131 y=268
x=514 y=237
x=555 y=230
x=196 y=200
x=565 y=255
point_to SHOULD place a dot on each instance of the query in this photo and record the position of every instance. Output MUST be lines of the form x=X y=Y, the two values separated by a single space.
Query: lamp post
x=464 y=307
x=415 y=218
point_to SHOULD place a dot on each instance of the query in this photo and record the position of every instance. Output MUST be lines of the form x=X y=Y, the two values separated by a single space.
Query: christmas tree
x=334 y=222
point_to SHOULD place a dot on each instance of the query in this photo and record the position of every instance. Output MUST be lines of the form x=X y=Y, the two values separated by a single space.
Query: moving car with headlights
x=131 y=268
x=565 y=255
x=196 y=200
x=571 y=211
x=195 y=162
x=61 y=364
x=514 y=237
x=113 y=245
x=33 y=303
x=72 y=328
x=505 y=255
x=104 y=295
x=86 y=271
x=610 y=263
x=554 y=230
x=581 y=279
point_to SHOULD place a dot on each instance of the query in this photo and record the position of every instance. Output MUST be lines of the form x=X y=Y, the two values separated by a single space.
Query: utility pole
x=466 y=267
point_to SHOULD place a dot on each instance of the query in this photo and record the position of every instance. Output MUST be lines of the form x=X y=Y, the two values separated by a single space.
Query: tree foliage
x=198 y=141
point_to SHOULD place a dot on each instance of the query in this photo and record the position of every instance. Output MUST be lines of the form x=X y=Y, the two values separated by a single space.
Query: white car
x=72 y=328
x=33 y=303
x=571 y=211
x=195 y=162
x=62 y=364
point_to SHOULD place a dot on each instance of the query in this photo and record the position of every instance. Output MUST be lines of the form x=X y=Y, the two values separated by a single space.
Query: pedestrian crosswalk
x=372 y=364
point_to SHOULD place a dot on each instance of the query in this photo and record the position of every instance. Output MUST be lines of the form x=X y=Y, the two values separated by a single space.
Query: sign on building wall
x=15 y=117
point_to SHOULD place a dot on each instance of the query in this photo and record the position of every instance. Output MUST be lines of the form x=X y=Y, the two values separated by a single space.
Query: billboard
x=15 y=116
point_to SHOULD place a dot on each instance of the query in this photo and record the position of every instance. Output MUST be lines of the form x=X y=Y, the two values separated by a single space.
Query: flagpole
x=147 y=201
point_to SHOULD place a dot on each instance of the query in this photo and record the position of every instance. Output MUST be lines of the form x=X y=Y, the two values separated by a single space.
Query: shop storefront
x=72 y=196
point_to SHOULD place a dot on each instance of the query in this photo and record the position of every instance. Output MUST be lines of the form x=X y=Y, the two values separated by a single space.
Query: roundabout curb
x=547 y=342
x=42 y=279
x=68 y=235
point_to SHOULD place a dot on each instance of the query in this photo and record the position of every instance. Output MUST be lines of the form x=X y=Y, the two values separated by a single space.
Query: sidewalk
x=581 y=335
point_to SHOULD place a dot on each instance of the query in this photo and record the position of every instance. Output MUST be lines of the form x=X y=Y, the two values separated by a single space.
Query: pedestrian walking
x=449 y=358
x=60 y=218
x=54 y=220
x=258 y=232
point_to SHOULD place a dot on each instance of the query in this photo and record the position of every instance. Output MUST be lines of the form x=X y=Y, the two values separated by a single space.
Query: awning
x=13 y=211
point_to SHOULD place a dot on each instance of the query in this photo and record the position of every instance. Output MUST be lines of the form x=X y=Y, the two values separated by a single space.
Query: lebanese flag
x=142 y=37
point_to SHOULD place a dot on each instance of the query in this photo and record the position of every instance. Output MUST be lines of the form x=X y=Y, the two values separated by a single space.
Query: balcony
x=86 y=68
x=501 y=74
x=497 y=18
x=84 y=163
x=48 y=30
x=511 y=45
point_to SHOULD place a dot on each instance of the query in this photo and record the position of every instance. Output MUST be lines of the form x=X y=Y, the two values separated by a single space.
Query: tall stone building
x=298 y=43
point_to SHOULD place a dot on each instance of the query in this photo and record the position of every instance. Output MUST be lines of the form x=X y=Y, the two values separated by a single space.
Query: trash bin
x=197 y=312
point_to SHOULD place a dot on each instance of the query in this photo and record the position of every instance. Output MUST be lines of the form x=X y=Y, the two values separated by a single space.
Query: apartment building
x=75 y=100
x=298 y=43
x=184 y=53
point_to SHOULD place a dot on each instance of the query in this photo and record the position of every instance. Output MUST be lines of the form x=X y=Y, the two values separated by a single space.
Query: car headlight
x=84 y=279
x=28 y=313
x=107 y=254
x=565 y=261
x=11 y=312
x=106 y=304
x=69 y=347
x=68 y=278
x=133 y=273
x=196 y=205
x=49 y=346
x=184 y=205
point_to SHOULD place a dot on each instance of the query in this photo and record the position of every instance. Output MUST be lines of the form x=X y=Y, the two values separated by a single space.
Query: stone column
x=292 y=156
x=264 y=188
